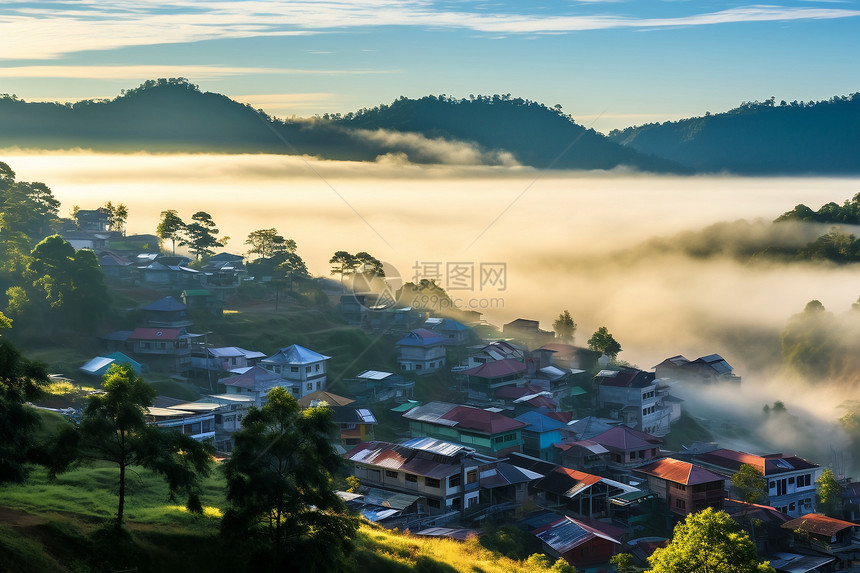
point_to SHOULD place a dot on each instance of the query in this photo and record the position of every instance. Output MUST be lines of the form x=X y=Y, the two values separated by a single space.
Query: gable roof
x=323 y=396
x=403 y=457
x=420 y=337
x=157 y=334
x=463 y=417
x=768 y=465
x=295 y=354
x=256 y=378
x=567 y=482
x=625 y=377
x=539 y=423
x=624 y=438
x=497 y=369
x=568 y=533
x=681 y=472
x=716 y=362
x=818 y=524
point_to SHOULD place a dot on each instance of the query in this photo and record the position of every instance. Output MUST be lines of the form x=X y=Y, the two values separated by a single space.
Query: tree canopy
x=114 y=430
x=708 y=542
x=751 y=483
x=170 y=227
x=268 y=243
x=564 y=326
x=829 y=490
x=279 y=487
x=603 y=341
x=201 y=235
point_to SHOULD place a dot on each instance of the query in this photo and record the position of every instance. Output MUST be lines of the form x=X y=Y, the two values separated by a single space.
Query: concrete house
x=421 y=351
x=256 y=383
x=686 y=488
x=636 y=398
x=484 y=380
x=791 y=480
x=303 y=369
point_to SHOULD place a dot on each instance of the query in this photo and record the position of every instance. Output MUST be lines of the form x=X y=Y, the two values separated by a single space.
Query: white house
x=303 y=369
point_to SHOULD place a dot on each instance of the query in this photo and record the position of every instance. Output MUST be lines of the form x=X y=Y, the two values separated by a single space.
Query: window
x=391 y=474
x=473 y=501
x=510 y=437
x=791 y=506
x=455 y=480
x=432 y=482
x=317 y=368
x=412 y=478
x=471 y=476
x=680 y=504
x=310 y=386
x=307 y=369
x=295 y=390
x=791 y=480
x=292 y=369
x=434 y=503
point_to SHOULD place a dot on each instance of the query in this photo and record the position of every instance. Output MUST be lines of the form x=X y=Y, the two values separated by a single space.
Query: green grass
x=686 y=431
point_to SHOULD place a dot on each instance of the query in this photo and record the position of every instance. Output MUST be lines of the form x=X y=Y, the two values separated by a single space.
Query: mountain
x=175 y=116
x=760 y=138
x=533 y=133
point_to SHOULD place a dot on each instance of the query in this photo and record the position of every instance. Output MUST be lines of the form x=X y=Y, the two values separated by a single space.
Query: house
x=450 y=477
x=421 y=351
x=355 y=424
x=198 y=424
x=704 y=370
x=769 y=535
x=454 y=332
x=224 y=359
x=791 y=480
x=228 y=418
x=579 y=543
x=685 y=487
x=487 y=432
x=256 y=383
x=166 y=272
x=785 y=562
x=99 y=365
x=583 y=455
x=115 y=266
x=374 y=386
x=387 y=508
x=165 y=348
x=826 y=535
x=483 y=381
x=572 y=357
x=539 y=435
x=634 y=397
x=628 y=448
x=496 y=350
x=203 y=299
x=222 y=274
x=86 y=239
x=589 y=426
x=92 y=219
x=527 y=331
x=303 y=369
x=166 y=312
x=579 y=493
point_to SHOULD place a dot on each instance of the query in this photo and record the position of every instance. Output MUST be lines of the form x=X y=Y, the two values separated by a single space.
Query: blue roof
x=539 y=423
x=451 y=324
x=421 y=337
x=167 y=303
x=295 y=354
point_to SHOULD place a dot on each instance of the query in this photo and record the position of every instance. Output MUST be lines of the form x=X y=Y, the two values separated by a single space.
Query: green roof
x=406 y=406
x=196 y=292
x=577 y=391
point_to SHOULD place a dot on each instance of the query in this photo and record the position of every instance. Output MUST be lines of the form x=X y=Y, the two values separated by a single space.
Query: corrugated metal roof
x=818 y=524
x=568 y=533
x=295 y=354
x=374 y=375
x=624 y=438
x=497 y=369
x=681 y=472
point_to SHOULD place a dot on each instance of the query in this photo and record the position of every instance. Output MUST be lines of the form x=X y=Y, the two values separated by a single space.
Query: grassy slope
x=60 y=527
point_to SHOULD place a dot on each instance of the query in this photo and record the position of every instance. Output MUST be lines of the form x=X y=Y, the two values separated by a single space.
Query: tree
x=603 y=341
x=279 y=486
x=564 y=326
x=292 y=267
x=708 y=542
x=117 y=215
x=268 y=243
x=623 y=562
x=809 y=343
x=28 y=208
x=200 y=236
x=114 y=429
x=829 y=494
x=170 y=227
x=21 y=380
x=343 y=263
x=369 y=265
x=751 y=483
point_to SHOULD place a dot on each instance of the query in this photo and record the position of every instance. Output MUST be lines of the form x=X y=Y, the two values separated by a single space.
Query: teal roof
x=539 y=423
x=295 y=354
x=406 y=406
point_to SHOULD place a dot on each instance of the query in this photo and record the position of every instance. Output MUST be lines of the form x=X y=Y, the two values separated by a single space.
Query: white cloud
x=198 y=72
x=55 y=30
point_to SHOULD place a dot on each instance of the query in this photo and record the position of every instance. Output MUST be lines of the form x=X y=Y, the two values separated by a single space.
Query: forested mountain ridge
x=760 y=138
x=175 y=116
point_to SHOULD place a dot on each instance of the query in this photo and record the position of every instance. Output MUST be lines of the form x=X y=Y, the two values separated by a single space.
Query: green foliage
x=28 y=209
x=623 y=562
x=564 y=326
x=830 y=213
x=829 y=490
x=200 y=236
x=268 y=243
x=170 y=227
x=114 y=430
x=603 y=341
x=810 y=342
x=354 y=483
x=708 y=542
x=117 y=215
x=279 y=487
x=752 y=484
x=20 y=381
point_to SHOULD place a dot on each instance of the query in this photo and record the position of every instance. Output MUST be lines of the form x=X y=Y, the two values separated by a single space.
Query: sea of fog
x=516 y=242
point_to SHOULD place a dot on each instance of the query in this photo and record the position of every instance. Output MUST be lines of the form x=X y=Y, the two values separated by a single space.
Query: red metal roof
x=818 y=524
x=155 y=334
x=497 y=369
x=769 y=464
x=677 y=471
x=481 y=420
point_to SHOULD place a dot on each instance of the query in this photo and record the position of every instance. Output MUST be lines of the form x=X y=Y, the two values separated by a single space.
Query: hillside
x=760 y=138
x=534 y=133
x=173 y=115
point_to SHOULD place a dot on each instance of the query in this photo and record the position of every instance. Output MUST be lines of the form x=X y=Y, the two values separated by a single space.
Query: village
x=470 y=424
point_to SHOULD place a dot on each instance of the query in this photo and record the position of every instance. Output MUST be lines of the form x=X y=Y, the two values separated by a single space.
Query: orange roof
x=582 y=477
x=677 y=471
x=818 y=524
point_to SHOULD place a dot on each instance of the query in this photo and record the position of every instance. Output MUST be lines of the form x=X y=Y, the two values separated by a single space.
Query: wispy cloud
x=199 y=72
x=44 y=31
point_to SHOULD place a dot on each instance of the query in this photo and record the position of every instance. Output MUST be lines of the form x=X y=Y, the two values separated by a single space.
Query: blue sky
x=609 y=63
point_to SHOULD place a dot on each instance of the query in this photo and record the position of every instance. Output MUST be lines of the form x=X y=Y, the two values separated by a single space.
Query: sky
x=609 y=63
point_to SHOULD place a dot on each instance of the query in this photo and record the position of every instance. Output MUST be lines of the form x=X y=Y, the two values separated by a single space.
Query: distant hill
x=760 y=138
x=533 y=133
x=175 y=116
